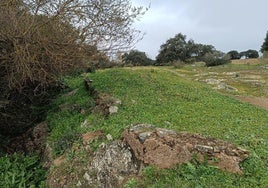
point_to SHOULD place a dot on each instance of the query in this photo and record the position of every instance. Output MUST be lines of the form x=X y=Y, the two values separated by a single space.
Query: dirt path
x=257 y=101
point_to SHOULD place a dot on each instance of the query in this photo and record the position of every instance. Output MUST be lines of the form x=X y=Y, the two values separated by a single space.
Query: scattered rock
x=70 y=169
x=213 y=81
x=166 y=148
x=226 y=87
x=235 y=74
x=264 y=67
x=213 y=73
x=106 y=104
x=86 y=139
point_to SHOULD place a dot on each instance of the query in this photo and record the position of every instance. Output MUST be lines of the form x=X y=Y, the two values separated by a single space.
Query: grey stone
x=113 y=109
x=111 y=165
x=85 y=123
x=226 y=87
x=86 y=176
x=118 y=102
x=109 y=137
x=144 y=135
x=212 y=81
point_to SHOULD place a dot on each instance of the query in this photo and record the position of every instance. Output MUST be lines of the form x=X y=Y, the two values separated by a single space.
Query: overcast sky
x=226 y=24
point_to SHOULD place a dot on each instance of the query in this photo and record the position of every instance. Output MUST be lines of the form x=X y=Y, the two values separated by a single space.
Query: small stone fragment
x=79 y=184
x=86 y=176
x=113 y=109
x=109 y=137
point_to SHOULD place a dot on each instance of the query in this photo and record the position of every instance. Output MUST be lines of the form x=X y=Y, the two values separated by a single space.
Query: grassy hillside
x=164 y=98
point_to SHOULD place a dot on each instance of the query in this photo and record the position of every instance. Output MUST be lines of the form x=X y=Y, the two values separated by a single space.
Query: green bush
x=137 y=58
x=21 y=171
x=215 y=59
x=178 y=64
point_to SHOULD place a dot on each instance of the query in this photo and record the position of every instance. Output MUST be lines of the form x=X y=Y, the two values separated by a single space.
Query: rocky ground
x=246 y=80
x=141 y=145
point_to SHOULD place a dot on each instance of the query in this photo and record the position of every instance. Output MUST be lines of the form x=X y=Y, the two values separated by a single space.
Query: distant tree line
x=177 y=50
x=180 y=50
x=246 y=54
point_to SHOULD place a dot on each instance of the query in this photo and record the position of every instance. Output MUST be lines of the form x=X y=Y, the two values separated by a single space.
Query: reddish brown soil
x=166 y=148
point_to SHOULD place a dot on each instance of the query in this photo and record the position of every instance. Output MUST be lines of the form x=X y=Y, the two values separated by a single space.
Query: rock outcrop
x=113 y=164
x=166 y=148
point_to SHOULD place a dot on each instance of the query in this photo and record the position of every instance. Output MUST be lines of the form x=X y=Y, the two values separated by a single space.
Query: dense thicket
x=42 y=40
x=216 y=58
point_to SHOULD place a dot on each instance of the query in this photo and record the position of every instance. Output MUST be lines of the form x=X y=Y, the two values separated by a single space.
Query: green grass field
x=161 y=97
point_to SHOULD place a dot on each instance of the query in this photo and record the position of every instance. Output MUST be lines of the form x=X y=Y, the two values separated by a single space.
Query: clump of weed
x=64 y=143
x=19 y=170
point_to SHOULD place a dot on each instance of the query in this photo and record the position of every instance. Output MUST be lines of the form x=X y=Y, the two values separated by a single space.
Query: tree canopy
x=178 y=48
x=264 y=47
x=250 y=54
x=216 y=58
x=234 y=54
x=137 y=58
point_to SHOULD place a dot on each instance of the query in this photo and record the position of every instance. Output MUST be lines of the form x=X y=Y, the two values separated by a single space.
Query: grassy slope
x=160 y=97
